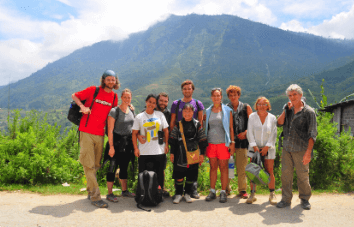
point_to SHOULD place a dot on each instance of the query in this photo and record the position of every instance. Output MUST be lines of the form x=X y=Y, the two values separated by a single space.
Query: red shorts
x=219 y=151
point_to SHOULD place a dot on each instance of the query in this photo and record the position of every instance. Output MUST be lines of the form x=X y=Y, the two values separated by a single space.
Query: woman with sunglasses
x=261 y=135
x=220 y=134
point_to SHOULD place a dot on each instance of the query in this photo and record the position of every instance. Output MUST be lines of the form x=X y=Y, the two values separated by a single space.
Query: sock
x=213 y=190
x=222 y=191
x=179 y=187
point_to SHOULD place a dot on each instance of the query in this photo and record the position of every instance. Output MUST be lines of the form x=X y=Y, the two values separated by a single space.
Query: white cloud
x=293 y=25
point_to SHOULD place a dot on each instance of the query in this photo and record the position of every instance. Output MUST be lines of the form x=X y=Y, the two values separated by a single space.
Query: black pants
x=154 y=163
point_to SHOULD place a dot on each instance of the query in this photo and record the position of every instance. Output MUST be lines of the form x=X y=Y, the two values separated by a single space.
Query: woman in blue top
x=220 y=133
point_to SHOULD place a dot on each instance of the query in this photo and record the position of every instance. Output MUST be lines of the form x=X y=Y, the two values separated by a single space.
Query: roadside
x=31 y=209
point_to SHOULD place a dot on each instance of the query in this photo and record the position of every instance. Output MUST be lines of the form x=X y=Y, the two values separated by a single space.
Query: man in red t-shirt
x=91 y=129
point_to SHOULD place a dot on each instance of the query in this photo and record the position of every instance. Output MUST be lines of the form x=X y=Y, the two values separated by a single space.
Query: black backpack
x=148 y=193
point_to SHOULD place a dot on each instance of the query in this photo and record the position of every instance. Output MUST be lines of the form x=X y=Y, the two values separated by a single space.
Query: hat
x=108 y=72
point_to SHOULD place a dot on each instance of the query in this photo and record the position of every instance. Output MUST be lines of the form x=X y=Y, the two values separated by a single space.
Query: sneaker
x=223 y=197
x=211 y=196
x=112 y=198
x=252 y=198
x=242 y=195
x=188 y=198
x=99 y=204
x=165 y=194
x=177 y=199
x=195 y=195
x=283 y=204
x=272 y=198
x=128 y=194
x=305 y=204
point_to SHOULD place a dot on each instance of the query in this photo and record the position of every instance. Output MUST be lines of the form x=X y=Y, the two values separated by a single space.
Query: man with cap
x=91 y=129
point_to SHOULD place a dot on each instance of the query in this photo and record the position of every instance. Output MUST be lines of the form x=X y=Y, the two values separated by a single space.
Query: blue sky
x=34 y=33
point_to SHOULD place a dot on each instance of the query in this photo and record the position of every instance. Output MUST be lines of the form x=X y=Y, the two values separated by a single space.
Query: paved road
x=26 y=209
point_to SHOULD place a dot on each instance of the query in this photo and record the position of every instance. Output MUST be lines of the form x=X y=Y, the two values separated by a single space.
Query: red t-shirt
x=99 y=111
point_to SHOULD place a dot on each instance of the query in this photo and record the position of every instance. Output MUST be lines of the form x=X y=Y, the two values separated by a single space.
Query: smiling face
x=110 y=81
x=294 y=97
x=163 y=102
x=262 y=105
x=187 y=91
x=150 y=104
x=187 y=114
x=234 y=97
x=126 y=98
x=216 y=97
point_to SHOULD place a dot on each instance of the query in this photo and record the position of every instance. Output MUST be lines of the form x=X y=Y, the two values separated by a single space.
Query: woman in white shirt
x=261 y=135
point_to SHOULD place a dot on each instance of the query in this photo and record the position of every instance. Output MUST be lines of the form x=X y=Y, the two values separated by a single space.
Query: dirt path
x=25 y=209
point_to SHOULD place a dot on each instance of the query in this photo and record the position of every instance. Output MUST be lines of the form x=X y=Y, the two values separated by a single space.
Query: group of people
x=189 y=136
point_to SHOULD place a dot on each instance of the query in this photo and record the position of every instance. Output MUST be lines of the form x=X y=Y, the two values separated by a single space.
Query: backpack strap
x=93 y=100
x=196 y=102
x=177 y=107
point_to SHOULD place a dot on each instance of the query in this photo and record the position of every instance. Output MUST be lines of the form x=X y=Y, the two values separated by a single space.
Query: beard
x=162 y=107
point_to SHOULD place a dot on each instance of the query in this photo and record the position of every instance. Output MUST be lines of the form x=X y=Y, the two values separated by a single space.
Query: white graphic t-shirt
x=149 y=125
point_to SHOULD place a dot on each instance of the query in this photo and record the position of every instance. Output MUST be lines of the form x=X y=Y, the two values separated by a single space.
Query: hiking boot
x=177 y=199
x=112 y=198
x=305 y=204
x=223 y=197
x=242 y=195
x=188 y=198
x=272 y=198
x=283 y=204
x=195 y=195
x=99 y=204
x=128 y=194
x=211 y=196
x=252 y=198
x=165 y=194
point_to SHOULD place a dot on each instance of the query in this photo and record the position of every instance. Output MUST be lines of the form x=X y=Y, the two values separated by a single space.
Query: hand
x=141 y=139
x=204 y=117
x=242 y=135
x=232 y=148
x=111 y=151
x=201 y=159
x=172 y=157
x=307 y=157
x=264 y=151
x=290 y=105
x=137 y=152
x=166 y=149
x=256 y=149
x=85 y=110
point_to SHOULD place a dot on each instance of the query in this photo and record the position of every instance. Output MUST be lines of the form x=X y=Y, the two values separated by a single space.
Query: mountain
x=213 y=51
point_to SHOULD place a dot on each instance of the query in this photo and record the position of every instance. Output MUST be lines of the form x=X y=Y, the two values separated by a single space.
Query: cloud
x=293 y=25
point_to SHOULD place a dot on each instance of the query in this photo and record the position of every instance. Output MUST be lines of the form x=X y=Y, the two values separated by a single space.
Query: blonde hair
x=115 y=87
x=266 y=100
x=126 y=90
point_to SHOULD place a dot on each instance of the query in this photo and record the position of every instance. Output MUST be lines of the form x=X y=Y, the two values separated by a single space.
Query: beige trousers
x=290 y=160
x=241 y=163
x=91 y=147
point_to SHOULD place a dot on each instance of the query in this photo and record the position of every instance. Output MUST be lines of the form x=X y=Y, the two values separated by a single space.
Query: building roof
x=334 y=106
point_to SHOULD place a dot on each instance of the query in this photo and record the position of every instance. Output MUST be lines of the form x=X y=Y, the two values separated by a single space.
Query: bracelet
x=232 y=141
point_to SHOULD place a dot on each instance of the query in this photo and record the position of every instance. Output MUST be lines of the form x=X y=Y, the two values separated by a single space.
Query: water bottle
x=231 y=167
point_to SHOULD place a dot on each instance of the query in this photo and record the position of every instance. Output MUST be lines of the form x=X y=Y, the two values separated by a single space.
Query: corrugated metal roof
x=331 y=107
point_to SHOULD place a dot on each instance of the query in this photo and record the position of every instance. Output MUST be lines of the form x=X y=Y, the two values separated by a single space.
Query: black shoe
x=305 y=204
x=195 y=195
x=211 y=196
x=283 y=204
x=223 y=197
x=165 y=194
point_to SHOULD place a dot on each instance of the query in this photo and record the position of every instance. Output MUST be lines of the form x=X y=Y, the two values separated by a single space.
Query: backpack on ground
x=74 y=114
x=147 y=192
x=255 y=171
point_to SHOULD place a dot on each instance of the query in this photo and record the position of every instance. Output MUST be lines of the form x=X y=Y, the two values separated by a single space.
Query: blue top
x=225 y=121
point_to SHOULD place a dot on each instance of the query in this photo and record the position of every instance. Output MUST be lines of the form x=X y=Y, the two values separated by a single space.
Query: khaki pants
x=289 y=161
x=91 y=147
x=241 y=163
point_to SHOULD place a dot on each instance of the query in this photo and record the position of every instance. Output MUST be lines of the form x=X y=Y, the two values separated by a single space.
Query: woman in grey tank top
x=220 y=133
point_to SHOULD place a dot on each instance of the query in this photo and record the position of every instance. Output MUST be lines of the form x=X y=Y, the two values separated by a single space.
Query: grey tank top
x=122 y=126
x=216 y=132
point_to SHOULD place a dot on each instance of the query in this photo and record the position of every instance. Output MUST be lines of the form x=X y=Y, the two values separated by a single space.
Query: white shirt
x=149 y=125
x=262 y=135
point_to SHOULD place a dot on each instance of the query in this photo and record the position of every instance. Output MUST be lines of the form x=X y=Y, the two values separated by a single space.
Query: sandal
x=99 y=204
x=112 y=198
